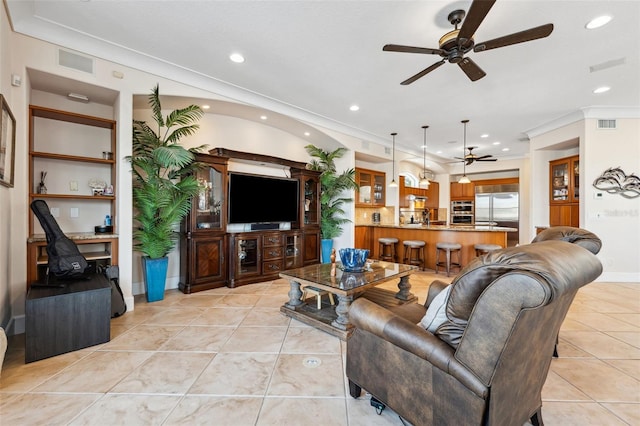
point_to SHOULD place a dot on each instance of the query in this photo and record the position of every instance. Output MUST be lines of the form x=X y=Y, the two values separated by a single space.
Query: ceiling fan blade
x=422 y=73
x=411 y=49
x=515 y=38
x=470 y=161
x=471 y=69
x=482 y=157
x=486 y=159
x=475 y=16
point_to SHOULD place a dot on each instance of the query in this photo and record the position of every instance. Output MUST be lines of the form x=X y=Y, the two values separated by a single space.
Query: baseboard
x=619 y=277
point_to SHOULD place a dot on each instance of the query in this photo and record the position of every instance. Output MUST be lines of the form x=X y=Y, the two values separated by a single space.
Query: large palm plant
x=163 y=178
x=332 y=189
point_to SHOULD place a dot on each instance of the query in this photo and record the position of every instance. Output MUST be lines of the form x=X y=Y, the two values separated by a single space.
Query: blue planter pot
x=155 y=276
x=326 y=246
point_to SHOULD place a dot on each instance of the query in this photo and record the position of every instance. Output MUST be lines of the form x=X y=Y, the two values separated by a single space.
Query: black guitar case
x=65 y=260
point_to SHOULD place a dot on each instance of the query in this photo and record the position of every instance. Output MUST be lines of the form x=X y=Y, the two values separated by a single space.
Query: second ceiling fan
x=458 y=42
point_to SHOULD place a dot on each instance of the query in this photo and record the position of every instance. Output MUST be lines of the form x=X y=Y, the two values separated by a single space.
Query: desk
x=346 y=286
x=68 y=318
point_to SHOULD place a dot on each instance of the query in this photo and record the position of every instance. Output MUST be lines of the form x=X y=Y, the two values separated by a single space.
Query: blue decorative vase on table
x=353 y=259
x=325 y=246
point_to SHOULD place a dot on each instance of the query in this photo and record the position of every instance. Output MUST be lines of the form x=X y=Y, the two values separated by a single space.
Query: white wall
x=615 y=219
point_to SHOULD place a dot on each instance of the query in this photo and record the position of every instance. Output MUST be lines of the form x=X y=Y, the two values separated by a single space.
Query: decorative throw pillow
x=437 y=311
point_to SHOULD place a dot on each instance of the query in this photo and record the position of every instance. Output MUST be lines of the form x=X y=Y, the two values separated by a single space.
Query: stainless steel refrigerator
x=498 y=205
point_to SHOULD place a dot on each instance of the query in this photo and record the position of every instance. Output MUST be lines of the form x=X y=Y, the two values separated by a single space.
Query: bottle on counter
x=107 y=220
x=412 y=219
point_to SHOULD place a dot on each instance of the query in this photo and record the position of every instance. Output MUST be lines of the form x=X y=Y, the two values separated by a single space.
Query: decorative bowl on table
x=353 y=259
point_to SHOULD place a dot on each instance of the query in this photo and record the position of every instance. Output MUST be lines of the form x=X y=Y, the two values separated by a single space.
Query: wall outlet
x=73 y=185
x=74 y=212
x=598 y=195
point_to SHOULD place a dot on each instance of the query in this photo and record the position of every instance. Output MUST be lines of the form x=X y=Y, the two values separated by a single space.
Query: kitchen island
x=467 y=235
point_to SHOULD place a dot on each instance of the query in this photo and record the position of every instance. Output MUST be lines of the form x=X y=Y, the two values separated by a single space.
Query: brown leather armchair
x=487 y=362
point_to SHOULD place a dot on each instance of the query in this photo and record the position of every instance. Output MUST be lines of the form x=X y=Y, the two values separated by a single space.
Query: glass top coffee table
x=346 y=286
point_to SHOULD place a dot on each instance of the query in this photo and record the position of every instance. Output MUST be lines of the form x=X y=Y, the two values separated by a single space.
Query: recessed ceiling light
x=598 y=22
x=602 y=89
x=485 y=135
x=205 y=107
x=505 y=149
x=263 y=117
x=496 y=143
x=423 y=147
x=354 y=107
x=237 y=58
x=438 y=152
x=307 y=133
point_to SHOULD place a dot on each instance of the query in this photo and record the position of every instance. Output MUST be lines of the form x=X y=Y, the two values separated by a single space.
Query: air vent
x=606 y=124
x=75 y=61
x=387 y=150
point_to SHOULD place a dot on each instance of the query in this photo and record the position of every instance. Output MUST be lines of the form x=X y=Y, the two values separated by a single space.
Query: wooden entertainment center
x=214 y=255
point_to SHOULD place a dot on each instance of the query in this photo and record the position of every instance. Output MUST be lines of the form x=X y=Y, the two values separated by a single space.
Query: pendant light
x=393 y=183
x=464 y=178
x=424 y=182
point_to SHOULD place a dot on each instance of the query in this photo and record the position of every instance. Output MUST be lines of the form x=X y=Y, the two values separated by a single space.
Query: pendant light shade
x=464 y=178
x=424 y=182
x=393 y=183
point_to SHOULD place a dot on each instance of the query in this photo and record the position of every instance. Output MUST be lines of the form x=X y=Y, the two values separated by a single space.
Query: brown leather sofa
x=486 y=363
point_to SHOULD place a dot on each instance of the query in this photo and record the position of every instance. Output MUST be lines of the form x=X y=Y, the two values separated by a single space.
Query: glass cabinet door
x=365 y=182
x=209 y=201
x=246 y=256
x=311 y=208
x=560 y=182
x=575 y=166
x=378 y=191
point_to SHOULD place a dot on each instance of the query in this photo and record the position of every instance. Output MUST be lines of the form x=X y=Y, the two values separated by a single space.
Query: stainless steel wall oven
x=462 y=212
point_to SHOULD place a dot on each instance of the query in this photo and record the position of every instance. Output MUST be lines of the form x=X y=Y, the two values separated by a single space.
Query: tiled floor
x=229 y=357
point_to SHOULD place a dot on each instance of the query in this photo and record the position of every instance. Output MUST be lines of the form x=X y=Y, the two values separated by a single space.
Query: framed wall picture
x=7 y=144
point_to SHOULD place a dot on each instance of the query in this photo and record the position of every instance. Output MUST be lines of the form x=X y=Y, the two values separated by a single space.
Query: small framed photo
x=7 y=144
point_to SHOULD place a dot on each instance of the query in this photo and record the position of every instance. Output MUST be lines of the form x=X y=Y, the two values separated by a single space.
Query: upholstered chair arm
x=368 y=316
x=434 y=289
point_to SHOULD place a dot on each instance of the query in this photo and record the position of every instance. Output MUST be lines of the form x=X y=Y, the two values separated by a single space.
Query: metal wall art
x=615 y=181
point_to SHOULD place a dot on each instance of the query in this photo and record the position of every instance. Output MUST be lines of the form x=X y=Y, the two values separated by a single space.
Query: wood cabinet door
x=209 y=263
x=311 y=247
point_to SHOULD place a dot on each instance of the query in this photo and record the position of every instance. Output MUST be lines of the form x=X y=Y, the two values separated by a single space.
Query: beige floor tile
x=20 y=377
x=219 y=411
x=199 y=339
x=298 y=375
x=303 y=411
x=570 y=324
x=45 y=408
x=628 y=366
x=143 y=338
x=258 y=288
x=310 y=341
x=567 y=350
x=633 y=319
x=255 y=339
x=558 y=389
x=166 y=373
x=175 y=315
x=601 y=345
x=629 y=413
x=128 y=410
x=598 y=380
x=578 y=414
x=236 y=374
x=239 y=300
x=221 y=316
x=630 y=337
x=605 y=322
x=269 y=317
x=272 y=301
x=98 y=372
x=200 y=300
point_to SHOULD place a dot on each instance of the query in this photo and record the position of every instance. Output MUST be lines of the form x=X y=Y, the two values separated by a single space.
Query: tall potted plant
x=163 y=186
x=333 y=186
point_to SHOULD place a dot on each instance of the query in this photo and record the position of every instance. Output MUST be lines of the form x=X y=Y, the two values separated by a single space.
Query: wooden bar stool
x=448 y=248
x=414 y=253
x=318 y=293
x=388 y=249
x=486 y=248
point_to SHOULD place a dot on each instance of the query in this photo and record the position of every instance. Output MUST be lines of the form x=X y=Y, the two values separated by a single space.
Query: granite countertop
x=460 y=228
x=35 y=238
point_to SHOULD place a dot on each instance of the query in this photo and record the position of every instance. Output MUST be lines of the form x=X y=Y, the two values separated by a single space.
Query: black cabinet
x=64 y=319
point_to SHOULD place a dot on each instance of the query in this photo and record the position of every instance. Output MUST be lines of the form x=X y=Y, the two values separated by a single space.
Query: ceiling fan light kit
x=393 y=183
x=454 y=45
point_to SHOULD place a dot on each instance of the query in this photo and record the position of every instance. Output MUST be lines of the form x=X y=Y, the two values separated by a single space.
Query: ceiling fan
x=458 y=42
x=471 y=157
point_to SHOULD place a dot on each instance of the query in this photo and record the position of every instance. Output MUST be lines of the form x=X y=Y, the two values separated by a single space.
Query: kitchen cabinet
x=371 y=192
x=462 y=191
x=433 y=196
x=72 y=166
x=564 y=192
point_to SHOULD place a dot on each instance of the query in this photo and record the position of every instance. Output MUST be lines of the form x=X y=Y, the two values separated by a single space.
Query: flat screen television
x=262 y=199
